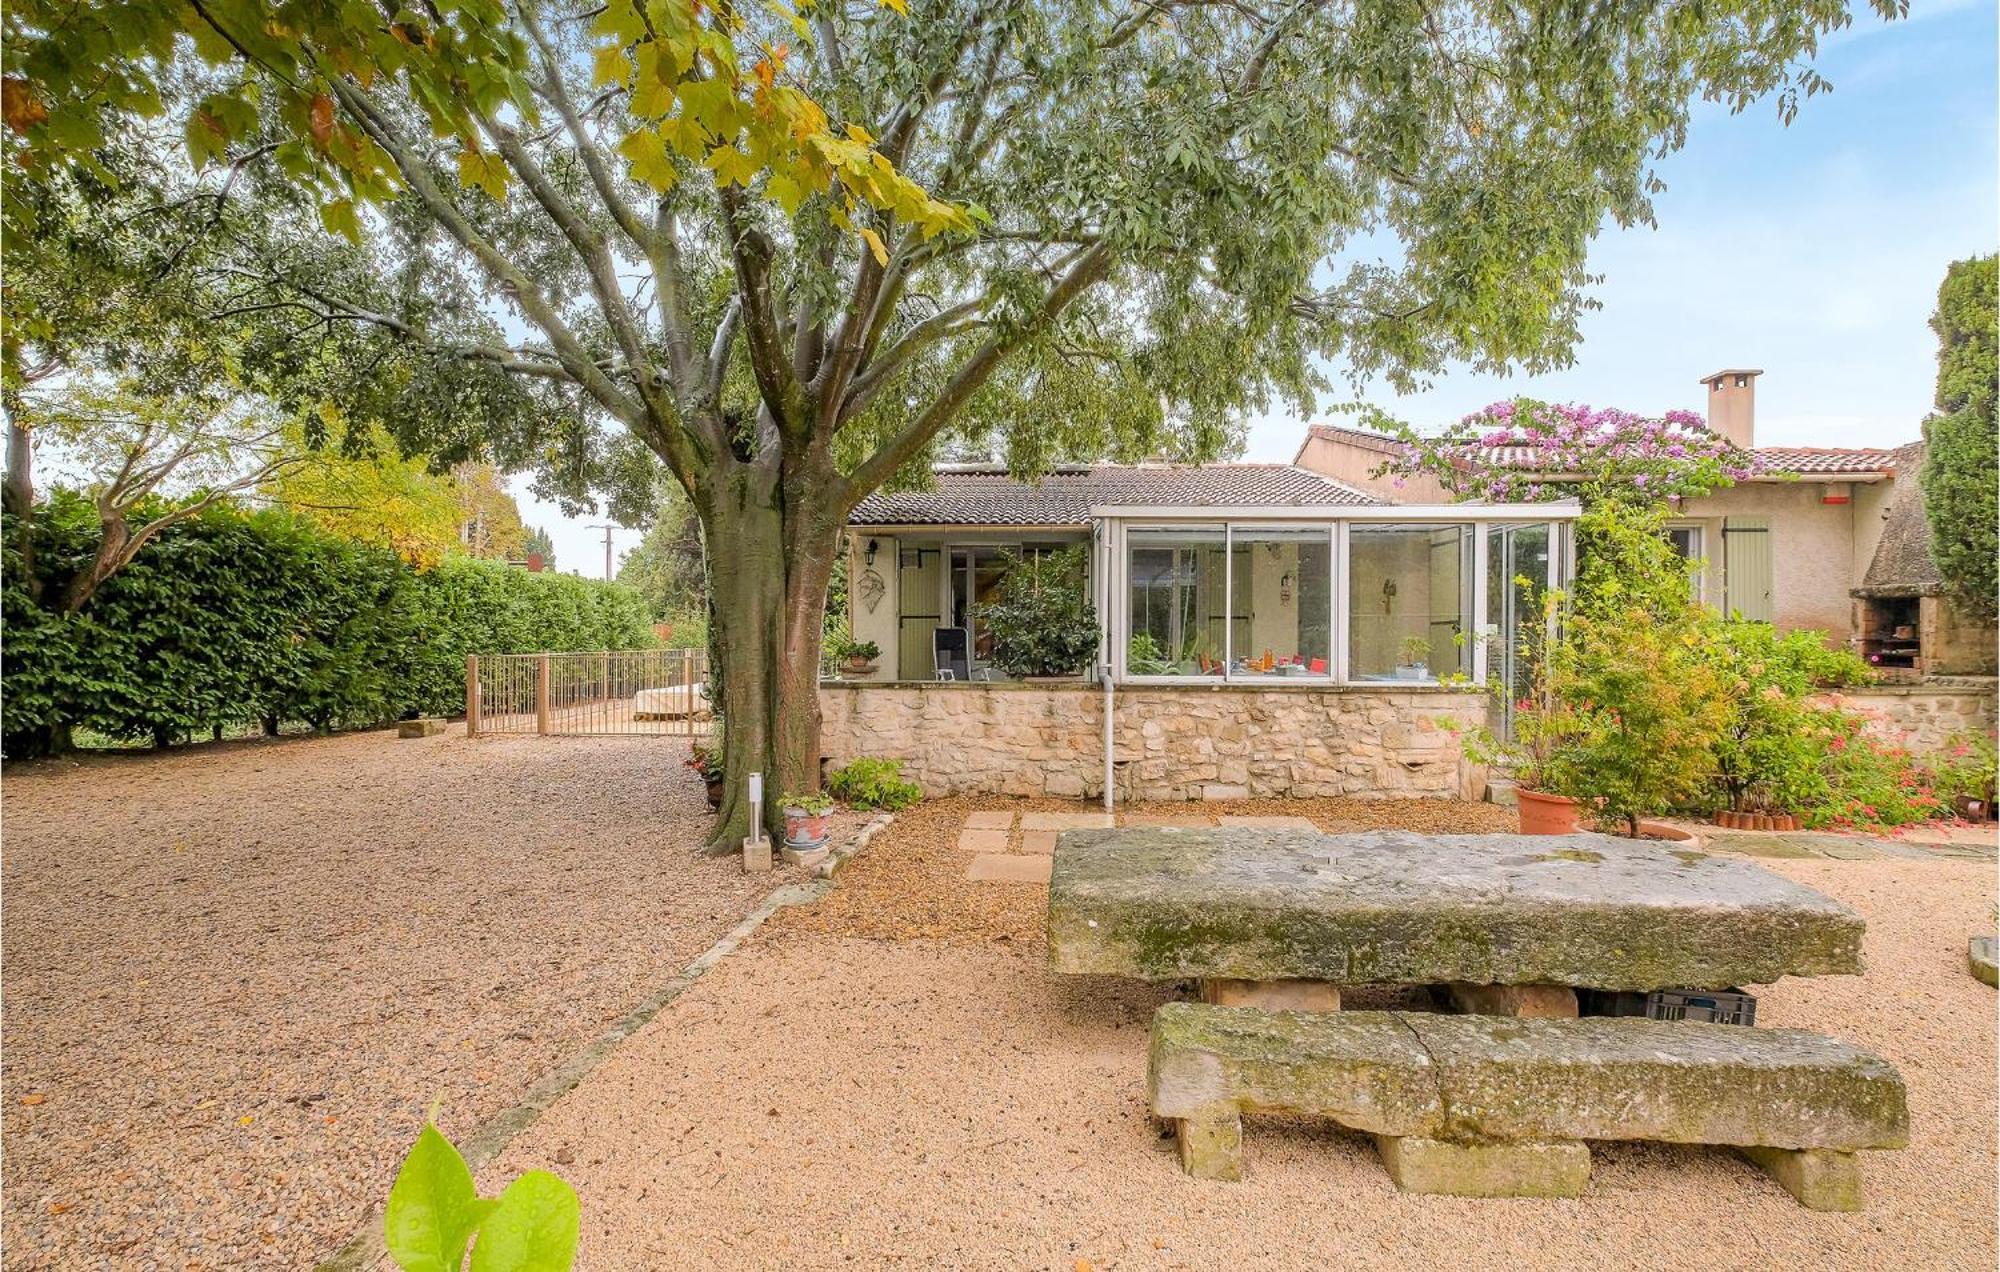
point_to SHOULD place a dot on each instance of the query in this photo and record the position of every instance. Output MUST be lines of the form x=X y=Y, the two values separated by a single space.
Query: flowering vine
x=1526 y=451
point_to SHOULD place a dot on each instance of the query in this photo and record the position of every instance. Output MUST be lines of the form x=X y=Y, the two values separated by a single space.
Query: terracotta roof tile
x=1803 y=460
x=989 y=497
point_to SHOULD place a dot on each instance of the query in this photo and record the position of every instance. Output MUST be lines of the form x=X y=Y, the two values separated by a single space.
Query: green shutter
x=919 y=580
x=1746 y=568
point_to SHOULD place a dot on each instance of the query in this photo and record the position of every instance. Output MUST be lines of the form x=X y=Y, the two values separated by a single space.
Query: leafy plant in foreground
x=874 y=783
x=435 y=1212
x=1043 y=623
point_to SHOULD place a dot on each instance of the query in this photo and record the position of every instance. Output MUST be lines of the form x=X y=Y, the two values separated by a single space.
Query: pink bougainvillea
x=1527 y=450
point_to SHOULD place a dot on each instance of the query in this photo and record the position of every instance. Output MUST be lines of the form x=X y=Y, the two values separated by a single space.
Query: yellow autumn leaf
x=339 y=218
x=874 y=242
x=900 y=6
x=608 y=66
x=486 y=171
x=647 y=154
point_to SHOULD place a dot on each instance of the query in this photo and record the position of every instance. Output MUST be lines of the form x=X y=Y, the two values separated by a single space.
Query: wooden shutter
x=919 y=580
x=1746 y=568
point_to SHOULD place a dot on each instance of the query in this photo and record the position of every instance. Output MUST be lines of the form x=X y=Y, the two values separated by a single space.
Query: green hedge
x=236 y=619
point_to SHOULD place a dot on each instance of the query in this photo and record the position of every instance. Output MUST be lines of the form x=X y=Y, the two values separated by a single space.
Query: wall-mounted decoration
x=870 y=588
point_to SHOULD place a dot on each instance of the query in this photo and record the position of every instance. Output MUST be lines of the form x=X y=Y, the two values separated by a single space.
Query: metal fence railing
x=635 y=691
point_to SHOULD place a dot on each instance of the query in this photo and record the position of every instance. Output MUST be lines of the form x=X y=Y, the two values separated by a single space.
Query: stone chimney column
x=1732 y=406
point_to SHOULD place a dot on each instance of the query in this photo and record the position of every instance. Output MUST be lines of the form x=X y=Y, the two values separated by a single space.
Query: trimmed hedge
x=236 y=619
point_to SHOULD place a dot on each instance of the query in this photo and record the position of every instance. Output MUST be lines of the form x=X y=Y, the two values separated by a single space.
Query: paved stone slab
x=1064 y=821
x=1040 y=842
x=1435 y=1084
x=1280 y=823
x=1979 y=958
x=1419 y=1165
x=1008 y=867
x=988 y=820
x=1397 y=907
x=1190 y=820
x=983 y=840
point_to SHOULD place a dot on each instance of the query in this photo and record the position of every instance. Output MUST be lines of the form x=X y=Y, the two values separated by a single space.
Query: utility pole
x=607 y=549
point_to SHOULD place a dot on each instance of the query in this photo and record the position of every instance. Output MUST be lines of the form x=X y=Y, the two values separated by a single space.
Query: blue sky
x=1812 y=251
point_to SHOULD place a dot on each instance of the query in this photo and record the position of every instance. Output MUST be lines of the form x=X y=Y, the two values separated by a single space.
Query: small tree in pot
x=1043 y=625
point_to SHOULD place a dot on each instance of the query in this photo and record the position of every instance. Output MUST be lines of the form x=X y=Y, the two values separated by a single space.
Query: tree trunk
x=18 y=494
x=769 y=568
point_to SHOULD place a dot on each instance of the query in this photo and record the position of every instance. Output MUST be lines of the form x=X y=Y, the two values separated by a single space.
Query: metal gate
x=632 y=691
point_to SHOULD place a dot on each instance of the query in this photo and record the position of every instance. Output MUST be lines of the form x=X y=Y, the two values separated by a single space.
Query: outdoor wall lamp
x=868 y=558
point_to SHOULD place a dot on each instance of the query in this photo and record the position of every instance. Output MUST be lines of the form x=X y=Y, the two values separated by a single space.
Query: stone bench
x=1481 y=1106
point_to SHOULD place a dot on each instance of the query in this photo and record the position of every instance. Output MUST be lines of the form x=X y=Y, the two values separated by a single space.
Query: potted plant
x=857 y=657
x=706 y=761
x=1042 y=624
x=1539 y=748
x=1416 y=653
x=805 y=818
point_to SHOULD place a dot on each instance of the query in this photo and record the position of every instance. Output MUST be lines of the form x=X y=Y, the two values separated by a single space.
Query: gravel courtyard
x=237 y=976
x=892 y=1078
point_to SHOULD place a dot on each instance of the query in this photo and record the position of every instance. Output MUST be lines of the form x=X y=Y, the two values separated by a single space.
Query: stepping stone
x=428 y=727
x=982 y=840
x=1979 y=957
x=1192 y=820
x=1277 y=823
x=1065 y=821
x=987 y=820
x=1042 y=842
x=995 y=867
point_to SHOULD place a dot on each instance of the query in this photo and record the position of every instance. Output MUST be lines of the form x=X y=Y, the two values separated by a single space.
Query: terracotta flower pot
x=804 y=830
x=1543 y=814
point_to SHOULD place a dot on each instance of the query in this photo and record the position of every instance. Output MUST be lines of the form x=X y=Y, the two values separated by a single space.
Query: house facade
x=1265 y=630
x=1823 y=538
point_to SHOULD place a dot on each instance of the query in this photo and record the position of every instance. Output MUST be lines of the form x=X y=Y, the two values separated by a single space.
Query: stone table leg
x=1211 y=1143
x=1542 y=1002
x=1278 y=995
x=1419 y=1165
x=1821 y=1178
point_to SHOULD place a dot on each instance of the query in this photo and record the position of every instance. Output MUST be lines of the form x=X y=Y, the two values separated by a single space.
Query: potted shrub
x=1042 y=624
x=1545 y=732
x=706 y=761
x=857 y=657
x=805 y=818
x=1416 y=653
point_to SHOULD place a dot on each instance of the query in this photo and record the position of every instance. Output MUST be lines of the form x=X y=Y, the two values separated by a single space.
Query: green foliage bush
x=1774 y=747
x=1043 y=623
x=235 y=619
x=1961 y=475
x=873 y=783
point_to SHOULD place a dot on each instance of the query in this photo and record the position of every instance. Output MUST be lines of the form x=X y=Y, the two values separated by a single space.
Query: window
x=1177 y=603
x=1281 y=612
x=1409 y=594
x=975 y=581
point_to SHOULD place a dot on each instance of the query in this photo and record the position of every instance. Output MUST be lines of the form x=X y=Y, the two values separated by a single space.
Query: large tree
x=792 y=250
x=1961 y=476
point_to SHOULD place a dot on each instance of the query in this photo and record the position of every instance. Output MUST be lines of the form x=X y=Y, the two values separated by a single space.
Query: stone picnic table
x=1512 y=924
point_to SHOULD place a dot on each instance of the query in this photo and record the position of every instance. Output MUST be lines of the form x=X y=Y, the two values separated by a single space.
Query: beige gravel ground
x=891 y=1079
x=235 y=977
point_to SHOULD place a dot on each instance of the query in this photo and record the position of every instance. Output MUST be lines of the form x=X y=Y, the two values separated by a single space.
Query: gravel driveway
x=937 y=1098
x=237 y=976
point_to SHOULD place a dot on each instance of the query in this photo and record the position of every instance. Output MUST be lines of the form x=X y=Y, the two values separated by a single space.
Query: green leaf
x=533 y=1229
x=647 y=154
x=432 y=1208
x=339 y=218
x=786 y=193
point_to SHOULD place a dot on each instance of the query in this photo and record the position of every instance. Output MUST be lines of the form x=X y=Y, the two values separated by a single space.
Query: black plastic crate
x=1716 y=1006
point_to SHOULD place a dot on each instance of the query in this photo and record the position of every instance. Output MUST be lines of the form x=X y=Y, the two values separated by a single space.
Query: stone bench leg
x=1419 y=1165
x=1542 y=1002
x=1211 y=1143
x=1277 y=995
x=1821 y=1178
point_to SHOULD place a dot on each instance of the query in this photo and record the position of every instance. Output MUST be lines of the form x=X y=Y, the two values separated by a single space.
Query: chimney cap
x=1733 y=371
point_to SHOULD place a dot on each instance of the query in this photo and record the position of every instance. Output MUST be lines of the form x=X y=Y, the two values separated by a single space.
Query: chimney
x=1732 y=406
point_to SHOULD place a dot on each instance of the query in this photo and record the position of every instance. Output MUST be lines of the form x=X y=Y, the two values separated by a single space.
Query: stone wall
x=1172 y=743
x=1924 y=716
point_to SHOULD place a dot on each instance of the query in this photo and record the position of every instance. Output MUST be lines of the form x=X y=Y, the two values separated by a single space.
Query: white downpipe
x=1104 y=673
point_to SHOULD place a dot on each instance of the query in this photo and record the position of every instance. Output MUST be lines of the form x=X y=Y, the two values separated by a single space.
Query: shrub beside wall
x=238 y=619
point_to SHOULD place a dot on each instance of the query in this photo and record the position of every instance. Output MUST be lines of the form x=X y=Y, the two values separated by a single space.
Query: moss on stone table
x=1483 y=1106
x=1393 y=907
